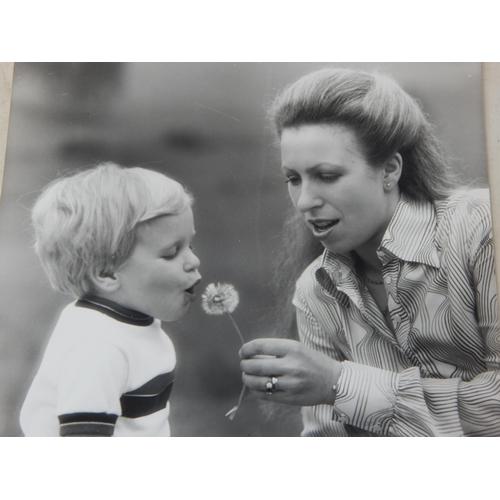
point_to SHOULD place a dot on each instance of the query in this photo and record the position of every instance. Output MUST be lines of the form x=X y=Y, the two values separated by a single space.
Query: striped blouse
x=436 y=370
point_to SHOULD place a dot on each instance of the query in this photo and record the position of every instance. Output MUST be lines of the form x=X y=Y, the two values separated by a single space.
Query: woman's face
x=343 y=199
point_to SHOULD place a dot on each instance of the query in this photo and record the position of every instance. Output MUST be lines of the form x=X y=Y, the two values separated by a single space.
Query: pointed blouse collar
x=410 y=236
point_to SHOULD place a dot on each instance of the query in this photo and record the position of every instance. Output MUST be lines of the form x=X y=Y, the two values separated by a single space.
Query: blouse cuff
x=398 y=404
x=366 y=397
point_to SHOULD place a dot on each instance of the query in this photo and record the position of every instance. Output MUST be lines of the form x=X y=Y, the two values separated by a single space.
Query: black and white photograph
x=248 y=250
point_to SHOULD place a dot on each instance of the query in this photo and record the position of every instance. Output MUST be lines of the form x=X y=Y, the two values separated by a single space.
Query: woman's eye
x=294 y=180
x=328 y=177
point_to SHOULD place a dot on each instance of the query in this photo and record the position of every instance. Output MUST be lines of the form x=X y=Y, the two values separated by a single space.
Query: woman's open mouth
x=321 y=226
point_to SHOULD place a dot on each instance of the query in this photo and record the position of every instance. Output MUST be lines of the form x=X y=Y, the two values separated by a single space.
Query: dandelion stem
x=241 y=395
x=237 y=329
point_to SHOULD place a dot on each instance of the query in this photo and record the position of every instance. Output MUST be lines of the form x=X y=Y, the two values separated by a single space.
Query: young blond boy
x=119 y=241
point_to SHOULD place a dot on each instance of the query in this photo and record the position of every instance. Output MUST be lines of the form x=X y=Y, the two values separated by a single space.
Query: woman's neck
x=369 y=262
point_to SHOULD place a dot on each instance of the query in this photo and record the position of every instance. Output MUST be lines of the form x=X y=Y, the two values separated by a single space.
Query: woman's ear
x=392 y=171
x=105 y=281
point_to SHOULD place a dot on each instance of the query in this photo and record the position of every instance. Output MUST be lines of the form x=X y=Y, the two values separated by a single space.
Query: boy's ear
x=106 y=282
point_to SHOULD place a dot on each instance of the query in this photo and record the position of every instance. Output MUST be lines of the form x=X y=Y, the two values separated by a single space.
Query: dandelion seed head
x=219 y=299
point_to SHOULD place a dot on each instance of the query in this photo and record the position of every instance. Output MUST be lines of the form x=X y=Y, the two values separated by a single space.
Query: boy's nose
x=192 y=262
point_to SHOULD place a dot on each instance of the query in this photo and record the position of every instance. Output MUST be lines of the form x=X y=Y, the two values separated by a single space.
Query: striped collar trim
x=115 y=311
x=331 y=270
x=410 y=235
x=339 y=266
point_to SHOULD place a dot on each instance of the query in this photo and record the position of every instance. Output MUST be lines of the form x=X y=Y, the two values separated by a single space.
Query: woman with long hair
x=397 y=314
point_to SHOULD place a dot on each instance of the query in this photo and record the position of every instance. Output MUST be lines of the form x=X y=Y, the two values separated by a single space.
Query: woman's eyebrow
x=312 y=168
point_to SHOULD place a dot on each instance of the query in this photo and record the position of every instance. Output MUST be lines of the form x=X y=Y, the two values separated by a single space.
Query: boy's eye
x=170 y=256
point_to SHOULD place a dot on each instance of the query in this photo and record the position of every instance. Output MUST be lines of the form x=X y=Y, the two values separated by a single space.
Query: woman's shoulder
x=465 y=205
x=464 y=198
x=465 y=216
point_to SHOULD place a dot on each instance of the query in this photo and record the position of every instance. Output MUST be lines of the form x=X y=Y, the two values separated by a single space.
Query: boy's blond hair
x=85 y=223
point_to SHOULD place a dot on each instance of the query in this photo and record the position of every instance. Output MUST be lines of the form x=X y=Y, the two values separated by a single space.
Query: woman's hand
x=305 y=377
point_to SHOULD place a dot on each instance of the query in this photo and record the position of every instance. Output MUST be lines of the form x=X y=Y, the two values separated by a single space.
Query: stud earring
x=388 y=185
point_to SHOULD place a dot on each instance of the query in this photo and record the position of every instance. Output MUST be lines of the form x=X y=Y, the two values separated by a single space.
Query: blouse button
x=388 y=280
x=343 y=419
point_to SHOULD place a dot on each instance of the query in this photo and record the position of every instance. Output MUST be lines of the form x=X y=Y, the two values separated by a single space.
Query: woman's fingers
x=259 y=384
x=284 y=389
x=269 y=347
x=266 y=357
x=305 y=376
x=262 y=367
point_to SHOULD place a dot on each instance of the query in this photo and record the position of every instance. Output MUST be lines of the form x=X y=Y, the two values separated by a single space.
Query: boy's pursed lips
x=190 y=290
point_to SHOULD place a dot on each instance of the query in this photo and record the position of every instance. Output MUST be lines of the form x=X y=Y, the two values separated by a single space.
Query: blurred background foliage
x=205 y=125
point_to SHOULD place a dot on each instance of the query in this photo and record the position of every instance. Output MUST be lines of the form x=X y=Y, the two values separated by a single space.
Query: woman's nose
x=307 y=198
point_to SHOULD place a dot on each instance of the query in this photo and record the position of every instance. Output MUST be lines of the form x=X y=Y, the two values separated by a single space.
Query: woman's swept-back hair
x=385 y=119
x=85 y=223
